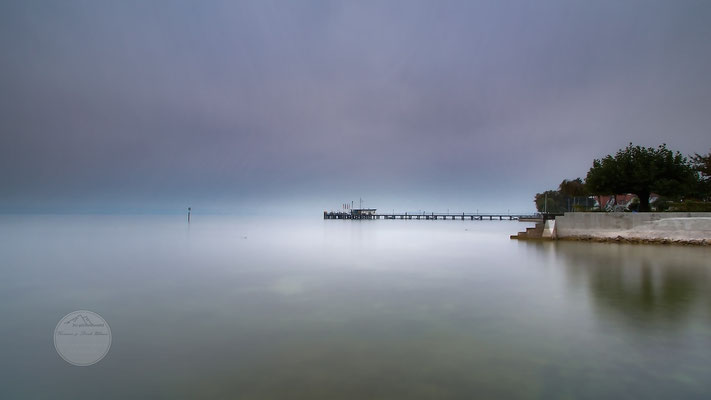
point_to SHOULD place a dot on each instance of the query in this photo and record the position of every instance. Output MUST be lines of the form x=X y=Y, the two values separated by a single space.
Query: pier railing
x=433 y=216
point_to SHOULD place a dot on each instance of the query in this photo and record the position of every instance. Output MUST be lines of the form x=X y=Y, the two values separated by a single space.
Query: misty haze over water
x=308 y=308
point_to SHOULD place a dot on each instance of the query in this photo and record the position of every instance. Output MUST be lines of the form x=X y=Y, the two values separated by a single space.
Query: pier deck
x=431 y=216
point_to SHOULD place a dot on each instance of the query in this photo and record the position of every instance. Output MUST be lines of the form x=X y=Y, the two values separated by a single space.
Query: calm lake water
x=314 y=309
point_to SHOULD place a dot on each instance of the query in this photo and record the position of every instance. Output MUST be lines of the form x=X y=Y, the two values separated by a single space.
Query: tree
x=641 y=171
x=702 y=165
x=559 y=201
x=572 y=188
x=551 y=201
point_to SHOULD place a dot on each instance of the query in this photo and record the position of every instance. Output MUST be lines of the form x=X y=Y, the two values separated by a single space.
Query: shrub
x=690 y=206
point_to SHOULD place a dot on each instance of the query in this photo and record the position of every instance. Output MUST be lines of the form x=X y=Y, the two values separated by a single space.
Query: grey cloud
x=243 y=101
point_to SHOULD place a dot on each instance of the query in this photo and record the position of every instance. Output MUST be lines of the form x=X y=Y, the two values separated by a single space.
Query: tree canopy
x=702 y=165
x=572 y=188
x=642 y=170
x=564 y=199
x=551 y=201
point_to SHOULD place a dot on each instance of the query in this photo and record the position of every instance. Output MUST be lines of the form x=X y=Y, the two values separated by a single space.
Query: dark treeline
x=660 y=179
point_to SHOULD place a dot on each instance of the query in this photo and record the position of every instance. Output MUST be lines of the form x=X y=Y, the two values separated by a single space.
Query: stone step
x=535 y=232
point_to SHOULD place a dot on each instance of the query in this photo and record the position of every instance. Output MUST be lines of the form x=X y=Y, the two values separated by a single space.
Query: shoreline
x=635 y=240
x=689 y=229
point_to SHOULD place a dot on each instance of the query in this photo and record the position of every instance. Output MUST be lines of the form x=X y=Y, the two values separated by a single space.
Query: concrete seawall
x=679 y=227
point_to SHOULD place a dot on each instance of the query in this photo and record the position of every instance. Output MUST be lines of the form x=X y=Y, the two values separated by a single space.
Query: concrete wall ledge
x=682 y=228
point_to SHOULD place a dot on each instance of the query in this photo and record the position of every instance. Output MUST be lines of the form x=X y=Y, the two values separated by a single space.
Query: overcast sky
x=253 y=106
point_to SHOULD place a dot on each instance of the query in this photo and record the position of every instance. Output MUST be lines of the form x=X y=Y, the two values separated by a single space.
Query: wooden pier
x=430 y=216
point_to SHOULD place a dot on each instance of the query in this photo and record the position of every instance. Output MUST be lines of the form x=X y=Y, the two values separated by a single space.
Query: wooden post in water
x=189 y=209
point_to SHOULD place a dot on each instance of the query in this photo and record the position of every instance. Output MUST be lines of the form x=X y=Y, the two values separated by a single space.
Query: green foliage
x=572 y=188
x=642 y=170
x=571 y=195
x=690 y=206
x=581 y=207
x=661 y=204
x=702 y=165
x=551 y=201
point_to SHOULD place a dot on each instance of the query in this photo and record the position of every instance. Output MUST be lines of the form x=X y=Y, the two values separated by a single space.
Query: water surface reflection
x=644 y=286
